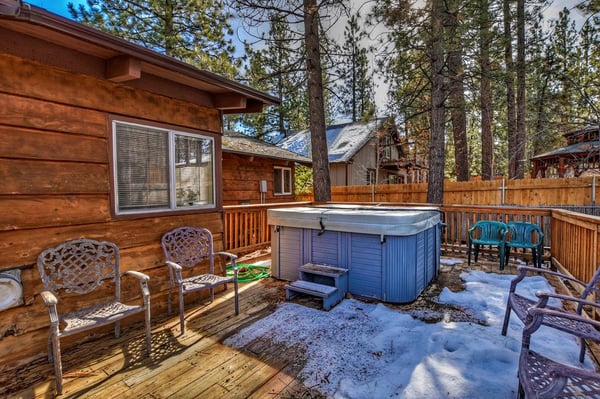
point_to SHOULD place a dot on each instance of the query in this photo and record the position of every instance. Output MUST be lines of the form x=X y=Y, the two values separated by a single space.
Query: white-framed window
x=282 y=180
x=370 y=176
x=157 y=169
x=387 y=147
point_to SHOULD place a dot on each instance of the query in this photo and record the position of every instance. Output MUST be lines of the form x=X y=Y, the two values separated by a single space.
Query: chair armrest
x=174 y=266
x=233 y=259
x=539 y=314
x=545 y=295
x=50 y=300
x=523 y=273
x=143 y=278
x=228 y=254
x=138 y=275
x=570 y=372
x=175 y=269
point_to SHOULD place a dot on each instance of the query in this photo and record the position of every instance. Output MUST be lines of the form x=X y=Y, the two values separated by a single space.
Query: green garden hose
x=247 y=273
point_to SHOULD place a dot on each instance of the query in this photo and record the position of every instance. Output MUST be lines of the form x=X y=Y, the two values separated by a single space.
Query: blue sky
x=55 y=6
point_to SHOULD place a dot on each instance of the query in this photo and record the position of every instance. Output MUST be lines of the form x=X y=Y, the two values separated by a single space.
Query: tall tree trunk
x=435 y=188
x=509 y=80
x=487 y=138
x=521 y=106
x=316 y=104
x=458 y=112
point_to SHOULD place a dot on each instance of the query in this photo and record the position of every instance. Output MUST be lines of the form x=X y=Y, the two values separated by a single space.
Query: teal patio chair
x=487 y=232
x=526 y=236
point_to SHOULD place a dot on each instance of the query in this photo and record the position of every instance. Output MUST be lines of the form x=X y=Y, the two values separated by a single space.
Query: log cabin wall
x=242 y=175
x=55 y=174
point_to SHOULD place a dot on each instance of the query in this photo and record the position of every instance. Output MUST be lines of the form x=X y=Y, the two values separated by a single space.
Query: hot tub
x=391 y=253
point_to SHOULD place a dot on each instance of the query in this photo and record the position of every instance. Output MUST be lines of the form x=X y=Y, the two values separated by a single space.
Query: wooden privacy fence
x=579 y=191
x=571 y=240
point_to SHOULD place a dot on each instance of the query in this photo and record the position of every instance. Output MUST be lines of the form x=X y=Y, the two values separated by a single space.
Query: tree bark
x=321 y=180
x=509 y=80
x=435 y=188
x=521 y=105
x=458 y=113
x=487 y=138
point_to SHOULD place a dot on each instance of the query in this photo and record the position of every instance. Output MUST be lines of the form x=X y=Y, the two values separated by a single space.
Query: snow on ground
x=369 y=350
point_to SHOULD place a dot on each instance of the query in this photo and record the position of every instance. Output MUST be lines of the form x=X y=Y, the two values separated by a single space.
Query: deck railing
x=246 y=228
x=571 y=240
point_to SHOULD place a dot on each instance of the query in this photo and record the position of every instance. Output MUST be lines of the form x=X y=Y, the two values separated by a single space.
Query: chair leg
x=57 y=362
x=502 y=255
x=476 y=252
x=117 y=329
x=506 y=255
x=169 y=306
x=506 y=319
x=469 y=254
x=181 y=312
x=581 y=350
x=237 y=306
x=148 y=333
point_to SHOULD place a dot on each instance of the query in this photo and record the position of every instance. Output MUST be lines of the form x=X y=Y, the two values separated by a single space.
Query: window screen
x=157 y=169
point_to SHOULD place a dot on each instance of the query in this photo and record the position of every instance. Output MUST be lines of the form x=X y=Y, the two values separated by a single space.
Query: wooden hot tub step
x=326 y=292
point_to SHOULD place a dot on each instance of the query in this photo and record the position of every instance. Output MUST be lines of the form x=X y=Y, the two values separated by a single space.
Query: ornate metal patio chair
x=186 y=248
x=487 y=232
x=80 y=267
x=526 y=236
x=519 y=304
x=542 y=377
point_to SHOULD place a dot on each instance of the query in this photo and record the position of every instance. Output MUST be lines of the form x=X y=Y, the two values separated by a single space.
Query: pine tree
x=193 y=31
x=276 y=67
x=355 y=90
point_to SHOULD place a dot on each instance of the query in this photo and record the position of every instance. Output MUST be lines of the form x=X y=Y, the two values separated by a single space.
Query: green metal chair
x=487 y=232
x=526 y=236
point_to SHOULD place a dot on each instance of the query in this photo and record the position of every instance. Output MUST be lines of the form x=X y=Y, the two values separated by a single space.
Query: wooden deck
x=196 y=364
x=193 y=365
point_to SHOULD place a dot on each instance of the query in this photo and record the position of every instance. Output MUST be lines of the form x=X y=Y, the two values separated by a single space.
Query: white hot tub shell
x=391 y=253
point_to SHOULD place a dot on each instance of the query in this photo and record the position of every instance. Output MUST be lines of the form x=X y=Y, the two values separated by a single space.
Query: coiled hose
x=247 y=273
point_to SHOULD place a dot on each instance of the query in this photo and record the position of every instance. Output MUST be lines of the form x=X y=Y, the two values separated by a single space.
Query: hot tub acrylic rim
x=392 y=221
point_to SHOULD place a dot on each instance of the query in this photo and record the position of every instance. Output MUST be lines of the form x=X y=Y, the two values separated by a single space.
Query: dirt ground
x=426 y=307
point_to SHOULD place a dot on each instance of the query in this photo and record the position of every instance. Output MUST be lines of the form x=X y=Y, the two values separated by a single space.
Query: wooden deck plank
x=195 y=364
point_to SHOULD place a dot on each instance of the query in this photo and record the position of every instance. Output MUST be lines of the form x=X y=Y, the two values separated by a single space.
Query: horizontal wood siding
x=242 y=175
x=55 y=173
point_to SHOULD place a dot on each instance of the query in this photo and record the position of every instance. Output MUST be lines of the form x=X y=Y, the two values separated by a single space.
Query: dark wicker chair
x=186 y=248
x=80 y=267
x=540 y=376
x=519 y=304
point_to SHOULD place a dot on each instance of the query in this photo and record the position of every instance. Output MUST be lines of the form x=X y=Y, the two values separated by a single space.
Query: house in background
x=363 y=153
x=580 y=157
x=256 y=172
x=100 y=139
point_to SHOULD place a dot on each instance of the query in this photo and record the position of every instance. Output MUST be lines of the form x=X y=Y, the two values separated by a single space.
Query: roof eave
x=52 y=22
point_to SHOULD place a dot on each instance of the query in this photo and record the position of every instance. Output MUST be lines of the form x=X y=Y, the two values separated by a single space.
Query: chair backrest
x=524 y=232
x=80 y=266
x=488 y=230
x=591 y=288
x=188 y=246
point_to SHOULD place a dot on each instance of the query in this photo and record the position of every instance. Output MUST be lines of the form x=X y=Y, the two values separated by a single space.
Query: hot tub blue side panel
x=291 y=253
x=326 y=248
x=401 y=273
x=365 y=257
x=411 y=262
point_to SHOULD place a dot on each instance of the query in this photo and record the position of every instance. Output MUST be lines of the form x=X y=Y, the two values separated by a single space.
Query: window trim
x=283 y=169
x=172 y=131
